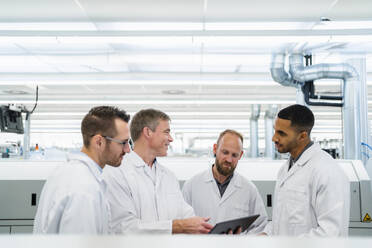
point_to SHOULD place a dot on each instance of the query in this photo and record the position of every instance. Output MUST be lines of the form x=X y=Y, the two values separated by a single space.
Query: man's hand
x=195 y=225
x=237 y=231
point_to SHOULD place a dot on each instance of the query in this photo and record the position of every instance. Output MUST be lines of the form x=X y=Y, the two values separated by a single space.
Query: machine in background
x=21 y=183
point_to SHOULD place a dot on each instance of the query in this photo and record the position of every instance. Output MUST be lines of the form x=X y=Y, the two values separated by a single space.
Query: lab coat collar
x=137 y=160
x=301 y=162
x=231 y=188
x=90 y=163
x=208 y=176
x=308 y=154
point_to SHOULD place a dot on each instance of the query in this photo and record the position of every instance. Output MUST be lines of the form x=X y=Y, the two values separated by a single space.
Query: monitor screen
x=10 y=120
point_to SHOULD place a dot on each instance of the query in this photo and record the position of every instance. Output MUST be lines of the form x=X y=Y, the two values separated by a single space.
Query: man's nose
x=229 y=159
x=126 y=148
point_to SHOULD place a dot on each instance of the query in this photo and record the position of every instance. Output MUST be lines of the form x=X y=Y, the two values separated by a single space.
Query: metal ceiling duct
x=355 y=114
x=270 y=115
x=354 y=100
x=255 y=114
x=280 y=75
x=278 y=72
x=301 y=73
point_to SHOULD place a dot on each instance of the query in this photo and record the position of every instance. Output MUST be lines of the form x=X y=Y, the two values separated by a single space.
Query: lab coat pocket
x=295 y=205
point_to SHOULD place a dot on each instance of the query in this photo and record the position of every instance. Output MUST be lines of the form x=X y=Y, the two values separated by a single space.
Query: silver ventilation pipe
x=303 y=74
x=354 y=110
x=355 y=114
x=354 y=104
x=255 y=114
x=270 y=115
x=279 y=74
x=26 y=137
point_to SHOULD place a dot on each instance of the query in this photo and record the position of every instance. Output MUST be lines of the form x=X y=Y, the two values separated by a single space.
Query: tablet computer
x=224 y=227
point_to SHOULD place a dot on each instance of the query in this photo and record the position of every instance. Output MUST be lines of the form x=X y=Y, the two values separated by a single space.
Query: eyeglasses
x=123 y=143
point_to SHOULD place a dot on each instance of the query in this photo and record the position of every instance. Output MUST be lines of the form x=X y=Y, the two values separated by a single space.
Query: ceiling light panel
x=181 y=26
x=45 y=26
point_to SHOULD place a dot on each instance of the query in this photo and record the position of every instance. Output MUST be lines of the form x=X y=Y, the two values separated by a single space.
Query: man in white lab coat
x=145 y=197
x=221 y=193
x=312 y=195
x=73 y=199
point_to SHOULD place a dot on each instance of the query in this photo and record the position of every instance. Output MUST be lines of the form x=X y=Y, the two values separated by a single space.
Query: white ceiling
x=182 y=11
x=204 y=62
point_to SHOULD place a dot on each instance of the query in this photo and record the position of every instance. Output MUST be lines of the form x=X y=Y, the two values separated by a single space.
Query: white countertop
x=179 y=241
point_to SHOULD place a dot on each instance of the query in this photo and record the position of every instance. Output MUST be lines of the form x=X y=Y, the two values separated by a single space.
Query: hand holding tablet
x=233 y=225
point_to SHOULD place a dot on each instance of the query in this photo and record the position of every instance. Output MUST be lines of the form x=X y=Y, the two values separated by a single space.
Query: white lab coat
x=312 y=198
x=139 y=204
x=241 y=199
x=73 y=201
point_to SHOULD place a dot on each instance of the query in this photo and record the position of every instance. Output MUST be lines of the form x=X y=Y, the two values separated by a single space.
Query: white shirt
x=312 y=198
x=139 y=204
x=241 y=199
x=73 y=200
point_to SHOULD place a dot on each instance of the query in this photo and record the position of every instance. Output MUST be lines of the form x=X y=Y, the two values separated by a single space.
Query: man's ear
x=97 y=141
x=241 y=154
x=147 y=132
x=214 y=149
x=303 y=135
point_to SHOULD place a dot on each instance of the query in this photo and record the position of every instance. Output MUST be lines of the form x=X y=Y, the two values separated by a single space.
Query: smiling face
x=114 y=151
x=228 y=152
x=160 y=138
x=286 y=137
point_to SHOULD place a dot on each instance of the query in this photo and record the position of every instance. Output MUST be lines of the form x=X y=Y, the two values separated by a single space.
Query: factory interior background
x=208 y=64
x=205 y=63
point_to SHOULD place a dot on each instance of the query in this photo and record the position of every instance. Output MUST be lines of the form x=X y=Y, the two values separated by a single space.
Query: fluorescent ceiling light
x=334 y=133
x=150 y=102
x=351 y=38
x=55 y=130
x=257 y=25
x=38 y=40
x=225 y=41
x=121 y=59
x=62 y=126
x=47 y=26
x=130 y=40
x=209 y=121
x=97 y=39
x=193 y=39
x=173 y=126
x=179 y=26
x=246 y=41
x=343 y=25
x=132 y=113
x=242 y=82
x=44 y=82
x=183 y=114
x=328 y=113
x=201 y=114
x=58 y=114
x=149 y=26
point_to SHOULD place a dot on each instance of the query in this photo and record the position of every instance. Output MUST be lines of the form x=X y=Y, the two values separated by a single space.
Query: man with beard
x=145 y=197
x=222 y=194
x=73 y=199
x=312 y=195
